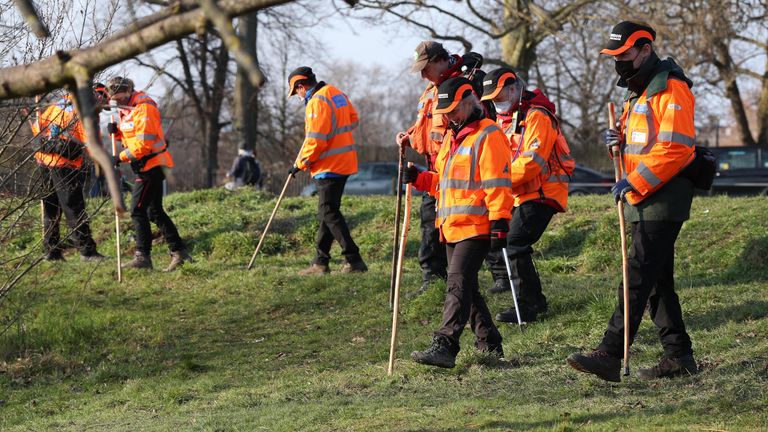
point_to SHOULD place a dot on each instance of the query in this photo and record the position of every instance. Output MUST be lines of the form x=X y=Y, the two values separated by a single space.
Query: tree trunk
x=246 y=97
x=725 y=67
x=518 y=47
x=762 y=111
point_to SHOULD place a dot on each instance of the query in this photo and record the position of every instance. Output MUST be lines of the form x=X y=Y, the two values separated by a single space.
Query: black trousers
x=432 y=256
x=529 y=221
x=463 y=301
x=64 y=191
x=332 y=222
x=651 y=281
x=148 y=206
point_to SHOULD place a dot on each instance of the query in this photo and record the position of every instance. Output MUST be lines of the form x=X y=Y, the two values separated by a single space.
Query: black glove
x=116 y=161
x=410 y=174
x=499 y=230
x=292 y=172
x=112 y=128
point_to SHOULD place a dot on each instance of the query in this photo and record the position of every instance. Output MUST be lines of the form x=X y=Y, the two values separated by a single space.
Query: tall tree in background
x=246 y=97
x=524 y=24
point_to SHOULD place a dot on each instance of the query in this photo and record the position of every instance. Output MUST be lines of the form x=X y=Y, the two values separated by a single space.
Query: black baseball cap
x=426 y=52
x=496 y=80
x=627 y=34
x=299 y=74
x=451 y=92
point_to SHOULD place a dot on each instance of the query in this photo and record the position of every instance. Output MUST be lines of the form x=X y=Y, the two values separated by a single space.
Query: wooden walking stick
x=399 y=189
x=117 y=215
x=269 y=222
x=622 y=227
x=399 y=276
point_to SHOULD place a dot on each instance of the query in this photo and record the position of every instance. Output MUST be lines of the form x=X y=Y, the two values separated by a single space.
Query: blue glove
x=611 y=137
x=621 y=189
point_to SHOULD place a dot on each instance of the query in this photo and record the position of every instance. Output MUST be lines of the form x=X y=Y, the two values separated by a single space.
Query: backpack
x=251 y=171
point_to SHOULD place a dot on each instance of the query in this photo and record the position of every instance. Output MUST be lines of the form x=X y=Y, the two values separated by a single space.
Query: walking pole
x=512 y=285
x=269 y=222
x=117 y=215
x=623 y=229
x=400 y=161
x=399 y=276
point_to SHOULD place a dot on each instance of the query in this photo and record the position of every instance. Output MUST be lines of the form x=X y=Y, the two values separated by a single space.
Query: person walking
x=140 y=130
x=60 y=158
x=472 y=185
x=656 y=137
x=541 y=170
x=425 y=136
x=330 y=154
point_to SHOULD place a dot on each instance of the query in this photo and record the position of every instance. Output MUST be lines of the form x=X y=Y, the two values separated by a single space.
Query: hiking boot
x=54 y=256
x=510 y=316
x=92 y=257
x=178 y=258
x=597 y=362
x=500 y=286
x=441 y=353
x=140 y=261
x=670 y=367
x=315 y=269
x=358 y=267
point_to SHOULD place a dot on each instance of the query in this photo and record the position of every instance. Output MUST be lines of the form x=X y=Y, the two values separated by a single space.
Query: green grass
x=214 y=347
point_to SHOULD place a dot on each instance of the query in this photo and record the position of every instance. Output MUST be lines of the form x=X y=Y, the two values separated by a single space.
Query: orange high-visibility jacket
x=659 y=138
x=427 y=132
x=473 y=185
x=60 y=121
x=142 y=135
x=541 y=167
x=329 y=145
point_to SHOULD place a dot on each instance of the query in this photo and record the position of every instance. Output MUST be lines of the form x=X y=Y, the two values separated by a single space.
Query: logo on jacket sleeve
x=339 y=100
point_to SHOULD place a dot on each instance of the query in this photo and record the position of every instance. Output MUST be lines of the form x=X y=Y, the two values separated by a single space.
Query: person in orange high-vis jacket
x=60 y=157
x=330 y=154
x=541 y=170
x=656 y=139
x=425 y=136
x=144 y=146
x=473 y=187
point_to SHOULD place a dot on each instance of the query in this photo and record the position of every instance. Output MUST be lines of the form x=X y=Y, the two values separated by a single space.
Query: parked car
x=741 y=171
x=586 y=181
x=375 y=178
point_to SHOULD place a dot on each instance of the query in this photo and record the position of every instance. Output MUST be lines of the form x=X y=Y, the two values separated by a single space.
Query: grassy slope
x=213 y=347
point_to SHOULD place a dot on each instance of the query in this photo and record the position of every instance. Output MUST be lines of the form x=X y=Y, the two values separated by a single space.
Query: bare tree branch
x=28 y=11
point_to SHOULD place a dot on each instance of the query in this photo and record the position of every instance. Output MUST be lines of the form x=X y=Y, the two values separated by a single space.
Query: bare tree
x=725 y=43
x=524 y=24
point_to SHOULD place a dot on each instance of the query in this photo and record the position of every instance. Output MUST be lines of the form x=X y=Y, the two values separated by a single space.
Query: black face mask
x=625 y=68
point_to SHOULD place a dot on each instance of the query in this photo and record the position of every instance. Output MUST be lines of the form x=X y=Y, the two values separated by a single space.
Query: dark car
x=586 y=181
x=375 y=178
x=741 y=171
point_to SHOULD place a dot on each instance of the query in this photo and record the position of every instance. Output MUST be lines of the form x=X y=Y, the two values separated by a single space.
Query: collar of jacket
x=311 y=92
x=639 y=81
x=664 y=69
x=454 y=69
x=469 y=127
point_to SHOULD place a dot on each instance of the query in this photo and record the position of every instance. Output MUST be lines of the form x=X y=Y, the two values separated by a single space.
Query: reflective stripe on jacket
x=473 y=185
x=141 y=133
x=541 y=168
x=60 y=121
x=329 y=145
x=659 y=138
